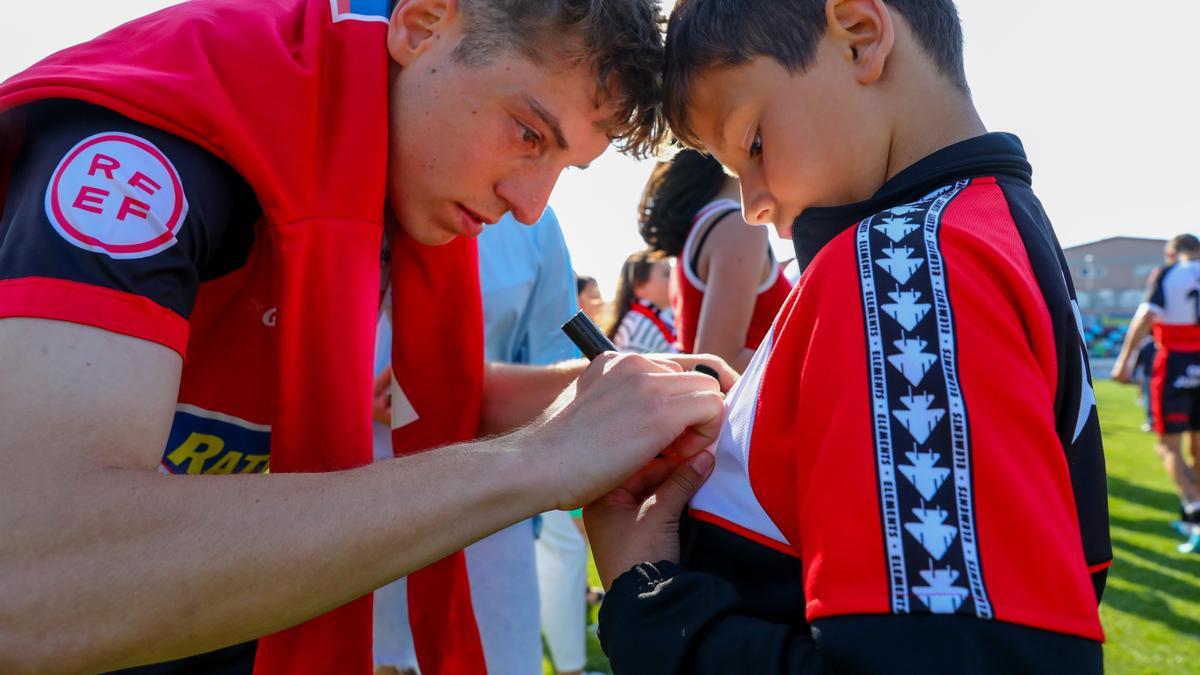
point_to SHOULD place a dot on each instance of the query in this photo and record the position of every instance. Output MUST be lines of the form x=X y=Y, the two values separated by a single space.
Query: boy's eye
x=756 y=145
x=529 y=137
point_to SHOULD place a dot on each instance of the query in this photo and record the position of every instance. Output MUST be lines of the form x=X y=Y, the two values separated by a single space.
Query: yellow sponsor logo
x=206 y=454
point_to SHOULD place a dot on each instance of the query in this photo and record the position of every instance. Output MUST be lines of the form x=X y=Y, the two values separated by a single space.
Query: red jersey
x=912 y=460
x=687 y=289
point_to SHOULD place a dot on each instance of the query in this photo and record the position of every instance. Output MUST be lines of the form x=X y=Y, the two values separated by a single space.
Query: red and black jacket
x=913 y=483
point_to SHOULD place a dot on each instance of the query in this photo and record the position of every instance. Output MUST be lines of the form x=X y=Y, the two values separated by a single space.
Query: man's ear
x=415 y=26
x=866 y=32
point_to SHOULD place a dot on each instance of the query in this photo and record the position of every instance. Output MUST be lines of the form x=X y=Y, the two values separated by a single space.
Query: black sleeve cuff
x=646 y=577
x=654 y=613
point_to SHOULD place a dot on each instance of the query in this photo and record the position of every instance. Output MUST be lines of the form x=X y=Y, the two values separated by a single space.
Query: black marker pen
x=587 y=337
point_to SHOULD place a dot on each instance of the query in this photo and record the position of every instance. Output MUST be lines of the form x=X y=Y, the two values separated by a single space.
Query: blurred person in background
x=727 y=285
x=590 y=300
x=642 y=321
x=1146 y=350
x=1143 y=376
x=1171 y=313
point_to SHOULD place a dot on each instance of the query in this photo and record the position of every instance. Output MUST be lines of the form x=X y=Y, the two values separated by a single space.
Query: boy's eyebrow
x=722 y=124
x=549 y=119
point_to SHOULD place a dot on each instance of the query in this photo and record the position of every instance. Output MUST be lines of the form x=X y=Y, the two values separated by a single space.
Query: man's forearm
x=515 y=395
x=211 y=561
x=1139 y=328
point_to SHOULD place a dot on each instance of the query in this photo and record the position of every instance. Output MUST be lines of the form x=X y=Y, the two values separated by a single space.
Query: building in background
x=1110 y=274
x=1110 y=281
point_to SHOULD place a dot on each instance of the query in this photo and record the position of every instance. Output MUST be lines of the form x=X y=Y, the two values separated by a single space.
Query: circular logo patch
x=117 y=194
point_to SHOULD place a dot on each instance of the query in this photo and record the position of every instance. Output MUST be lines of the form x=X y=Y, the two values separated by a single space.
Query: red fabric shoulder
x=238 y=80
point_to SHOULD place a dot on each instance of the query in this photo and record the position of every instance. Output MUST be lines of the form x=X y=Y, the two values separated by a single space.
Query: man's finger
x=684 y=383
x=665 y=362
x=727 y=375
x=702 y=416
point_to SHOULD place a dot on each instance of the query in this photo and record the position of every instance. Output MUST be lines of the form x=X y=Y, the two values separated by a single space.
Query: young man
x=1172 y=313
x=212 y=181
x=911 y=478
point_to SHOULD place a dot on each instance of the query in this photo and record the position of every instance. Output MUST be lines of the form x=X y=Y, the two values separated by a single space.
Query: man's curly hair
x=621 y=39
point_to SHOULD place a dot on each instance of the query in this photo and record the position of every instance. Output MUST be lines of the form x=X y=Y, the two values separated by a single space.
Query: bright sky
x=1104 y=96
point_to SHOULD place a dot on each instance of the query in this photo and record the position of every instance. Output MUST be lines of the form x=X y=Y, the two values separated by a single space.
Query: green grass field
x=1151 y=609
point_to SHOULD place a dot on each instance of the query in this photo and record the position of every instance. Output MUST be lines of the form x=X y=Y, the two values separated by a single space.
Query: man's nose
x=527 y=193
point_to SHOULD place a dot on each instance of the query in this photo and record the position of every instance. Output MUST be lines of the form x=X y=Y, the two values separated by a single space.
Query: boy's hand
x=639 y=521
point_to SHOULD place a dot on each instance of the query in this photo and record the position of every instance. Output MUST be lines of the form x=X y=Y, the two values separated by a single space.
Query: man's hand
x=623 y=411
x=1121 y=372
x=728 y=375
x=639 y=521
x=1141 y=325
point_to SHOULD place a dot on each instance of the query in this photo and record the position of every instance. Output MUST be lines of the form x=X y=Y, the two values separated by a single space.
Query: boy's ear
x=416 y=24
x=867 y=34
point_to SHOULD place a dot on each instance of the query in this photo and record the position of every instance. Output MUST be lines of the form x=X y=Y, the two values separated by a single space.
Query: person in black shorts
x=1171 y=314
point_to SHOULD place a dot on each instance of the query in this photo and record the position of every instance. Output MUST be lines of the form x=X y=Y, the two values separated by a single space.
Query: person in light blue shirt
x=528 y=293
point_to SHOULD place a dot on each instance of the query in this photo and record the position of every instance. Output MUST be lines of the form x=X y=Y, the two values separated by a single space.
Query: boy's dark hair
x=715 y=33
x=1185 y=243
x=675 y=193
x=622 y=39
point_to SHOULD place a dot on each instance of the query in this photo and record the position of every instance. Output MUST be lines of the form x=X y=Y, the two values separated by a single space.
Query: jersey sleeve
x=936 y=481
x=1155 y=298
x=113 y=224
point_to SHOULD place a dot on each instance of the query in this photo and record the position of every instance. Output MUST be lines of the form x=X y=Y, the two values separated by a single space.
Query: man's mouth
x=472 y=222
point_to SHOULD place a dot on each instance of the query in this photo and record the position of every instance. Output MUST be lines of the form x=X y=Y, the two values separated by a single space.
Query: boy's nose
x=758 y=205
x=759 y=209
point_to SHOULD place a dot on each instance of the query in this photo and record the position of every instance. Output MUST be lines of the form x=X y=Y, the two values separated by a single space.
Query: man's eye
x=756 y=145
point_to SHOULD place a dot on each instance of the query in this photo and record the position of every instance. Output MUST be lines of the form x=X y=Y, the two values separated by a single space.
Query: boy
x=911 y=477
